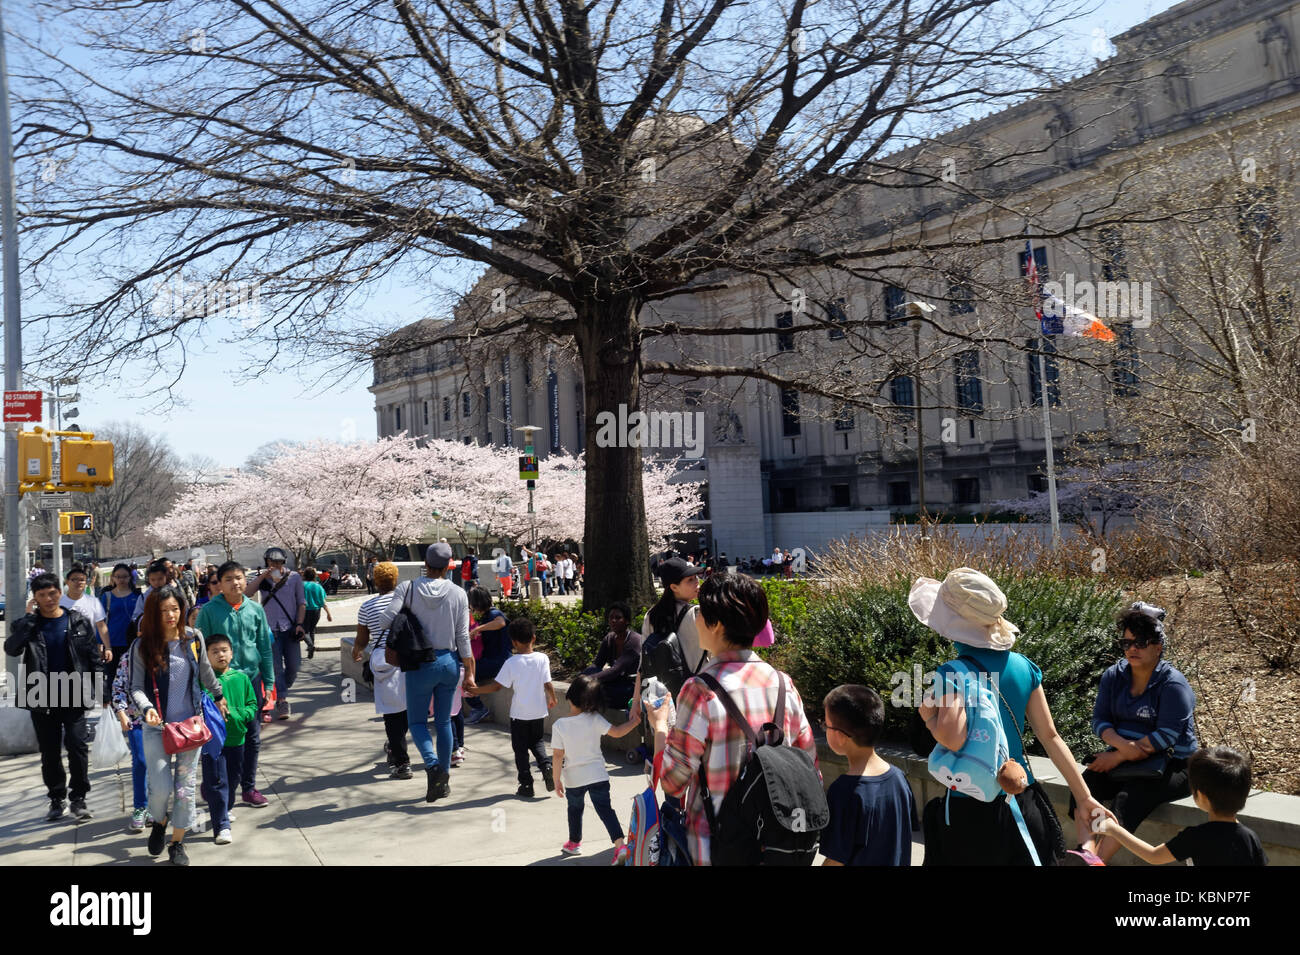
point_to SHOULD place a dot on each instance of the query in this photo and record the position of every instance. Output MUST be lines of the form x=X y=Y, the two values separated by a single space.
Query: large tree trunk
x=615 y=546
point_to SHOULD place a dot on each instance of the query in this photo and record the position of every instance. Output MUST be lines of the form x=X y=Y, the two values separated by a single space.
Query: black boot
x=438 y=784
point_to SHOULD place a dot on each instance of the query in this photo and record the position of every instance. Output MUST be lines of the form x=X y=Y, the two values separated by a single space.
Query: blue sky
x=283 y=405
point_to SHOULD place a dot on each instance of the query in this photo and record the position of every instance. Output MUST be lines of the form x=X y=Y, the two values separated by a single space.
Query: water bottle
x=654 y=695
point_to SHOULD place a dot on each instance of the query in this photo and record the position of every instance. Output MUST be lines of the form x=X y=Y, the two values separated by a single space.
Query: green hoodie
x=249 y=633
x=241 y=702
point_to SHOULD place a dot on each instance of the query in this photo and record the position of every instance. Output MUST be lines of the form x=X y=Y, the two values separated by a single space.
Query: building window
x=464 y=404
x=1048 y=346
x=970 y=392
x=966 y=490
x=1114 y=260
x=900 y=493
x=839 y=495
x=426 y=414
x=961 y=297
x=836 y=314
x=900 y=391
x=784 y=499
x=397 y=419
x=1124 y=366
x=487 y=399
x=1257 y=215
x=785 y=341
x=1037 y=483
x=789 y=413
x=895 y=305
x=528 y=372
x=845 y=420
x=446 y=409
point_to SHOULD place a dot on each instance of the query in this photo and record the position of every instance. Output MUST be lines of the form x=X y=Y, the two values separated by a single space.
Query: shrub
x=866 y=633
x=571 y=634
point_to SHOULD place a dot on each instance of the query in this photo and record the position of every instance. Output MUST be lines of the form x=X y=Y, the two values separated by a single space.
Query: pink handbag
x=185 y=735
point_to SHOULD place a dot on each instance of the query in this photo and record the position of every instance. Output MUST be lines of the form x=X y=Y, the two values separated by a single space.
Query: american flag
x=1031 y=274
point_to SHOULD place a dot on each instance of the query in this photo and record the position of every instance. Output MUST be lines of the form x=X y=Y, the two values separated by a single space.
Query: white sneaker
x=230 y=816
x=224 y=838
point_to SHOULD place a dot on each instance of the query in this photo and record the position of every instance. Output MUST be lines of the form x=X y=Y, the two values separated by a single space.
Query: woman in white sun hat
x=967 y=608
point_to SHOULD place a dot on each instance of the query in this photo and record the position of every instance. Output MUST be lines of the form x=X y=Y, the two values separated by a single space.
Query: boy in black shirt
x=873 y=815
x=1220 y=781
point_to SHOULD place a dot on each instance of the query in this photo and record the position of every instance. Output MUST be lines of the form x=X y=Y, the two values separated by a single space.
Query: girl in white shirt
x=575 y=746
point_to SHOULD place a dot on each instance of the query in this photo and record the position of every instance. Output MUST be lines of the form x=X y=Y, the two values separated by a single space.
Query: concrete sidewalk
x=331 y=801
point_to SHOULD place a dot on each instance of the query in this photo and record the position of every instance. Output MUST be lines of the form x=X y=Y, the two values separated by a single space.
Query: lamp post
x=527 y=467
x=919 y=310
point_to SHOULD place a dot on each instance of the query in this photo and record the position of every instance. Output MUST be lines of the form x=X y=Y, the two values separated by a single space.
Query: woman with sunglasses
x=1143 y=713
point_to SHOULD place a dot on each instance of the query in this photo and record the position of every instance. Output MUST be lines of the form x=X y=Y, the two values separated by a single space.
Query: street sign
x=55 y=500
x=23 y=406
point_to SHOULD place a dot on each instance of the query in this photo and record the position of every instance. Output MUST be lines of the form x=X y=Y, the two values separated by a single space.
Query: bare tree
x=599 y=157
x=147 y=480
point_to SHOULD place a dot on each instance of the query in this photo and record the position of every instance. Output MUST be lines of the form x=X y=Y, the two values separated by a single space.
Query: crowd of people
x=181 y=651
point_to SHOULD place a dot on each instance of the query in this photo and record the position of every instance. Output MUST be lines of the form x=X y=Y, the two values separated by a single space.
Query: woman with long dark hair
x=168 y=664
x=675 y=612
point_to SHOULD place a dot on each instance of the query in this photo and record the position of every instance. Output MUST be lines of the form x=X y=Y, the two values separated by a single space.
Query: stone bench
x=1274 y=817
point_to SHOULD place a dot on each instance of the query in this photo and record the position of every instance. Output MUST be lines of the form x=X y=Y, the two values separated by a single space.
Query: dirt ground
x=1240 y=700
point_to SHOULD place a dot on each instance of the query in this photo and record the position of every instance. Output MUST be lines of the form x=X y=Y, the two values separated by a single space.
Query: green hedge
x=572 y=635
x=867 y=634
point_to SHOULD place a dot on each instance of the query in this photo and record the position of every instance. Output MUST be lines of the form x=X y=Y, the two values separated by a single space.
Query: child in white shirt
x=528 y=673
x=575 y=745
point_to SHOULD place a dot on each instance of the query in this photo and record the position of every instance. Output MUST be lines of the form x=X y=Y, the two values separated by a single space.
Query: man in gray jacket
x=442 y=610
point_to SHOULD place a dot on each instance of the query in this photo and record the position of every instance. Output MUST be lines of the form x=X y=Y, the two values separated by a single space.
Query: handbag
x=184 y=735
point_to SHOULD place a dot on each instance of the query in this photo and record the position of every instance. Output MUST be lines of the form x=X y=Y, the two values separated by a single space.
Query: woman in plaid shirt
x=733 y=610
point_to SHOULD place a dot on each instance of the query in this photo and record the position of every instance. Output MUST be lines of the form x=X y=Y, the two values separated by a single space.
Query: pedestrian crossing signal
x=86 y=462
x=35 y=457
x=76 y=522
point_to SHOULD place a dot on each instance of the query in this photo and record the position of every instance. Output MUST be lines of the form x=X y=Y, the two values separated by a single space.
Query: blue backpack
x=973 y=769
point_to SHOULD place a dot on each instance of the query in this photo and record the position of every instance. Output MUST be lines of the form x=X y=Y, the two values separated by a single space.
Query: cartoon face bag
x=972 y=770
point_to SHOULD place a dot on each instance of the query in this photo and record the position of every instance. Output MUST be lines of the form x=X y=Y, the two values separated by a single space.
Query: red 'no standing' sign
x=22 y=406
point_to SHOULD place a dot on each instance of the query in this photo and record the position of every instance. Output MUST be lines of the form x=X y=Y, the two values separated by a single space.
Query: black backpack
x=408 y=647
x=662 y=657
x=774 y=812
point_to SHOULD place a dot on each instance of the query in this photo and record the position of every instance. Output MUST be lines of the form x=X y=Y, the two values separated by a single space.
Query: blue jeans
x=437 y=681
x=139 y=772
x=599 y=793
x=219 y=779
x=286 y=654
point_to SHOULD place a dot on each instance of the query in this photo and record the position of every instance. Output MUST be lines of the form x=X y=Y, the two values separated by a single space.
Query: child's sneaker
x=572 y=848
x=458 y=757
x=401 y=772
x=252 y=797
x=138 y=817
x=525 y=790
x=621 y=855
x=224 y=838
x=548 y=779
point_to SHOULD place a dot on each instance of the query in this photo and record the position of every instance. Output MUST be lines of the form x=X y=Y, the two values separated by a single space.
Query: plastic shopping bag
x=109 y=747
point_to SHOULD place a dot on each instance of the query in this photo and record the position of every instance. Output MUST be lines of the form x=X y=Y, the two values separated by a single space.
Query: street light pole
x=15 y=560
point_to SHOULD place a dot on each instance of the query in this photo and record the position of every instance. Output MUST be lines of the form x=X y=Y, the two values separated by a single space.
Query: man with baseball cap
x=284 y=599
x=442 y=610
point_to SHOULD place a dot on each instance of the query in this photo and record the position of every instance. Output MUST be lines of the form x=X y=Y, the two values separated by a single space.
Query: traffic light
x=85 y=462
x=35 y=455
x=75 y=522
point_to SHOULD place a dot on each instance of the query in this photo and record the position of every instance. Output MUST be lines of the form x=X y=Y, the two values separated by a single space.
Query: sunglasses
x=1141 y=643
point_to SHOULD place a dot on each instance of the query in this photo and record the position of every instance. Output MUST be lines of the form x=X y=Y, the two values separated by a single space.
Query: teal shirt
x=249 y=633
x=1018 y=677
x=315 y=595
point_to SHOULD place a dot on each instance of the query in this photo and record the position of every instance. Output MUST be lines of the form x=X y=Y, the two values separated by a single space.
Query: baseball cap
x=675 y=570
x=438 y=556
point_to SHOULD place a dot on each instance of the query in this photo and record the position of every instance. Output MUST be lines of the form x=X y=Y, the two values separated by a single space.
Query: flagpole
x=1047 y=441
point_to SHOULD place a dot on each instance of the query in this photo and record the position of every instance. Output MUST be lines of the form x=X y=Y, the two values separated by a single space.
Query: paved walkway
x=331 y=802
